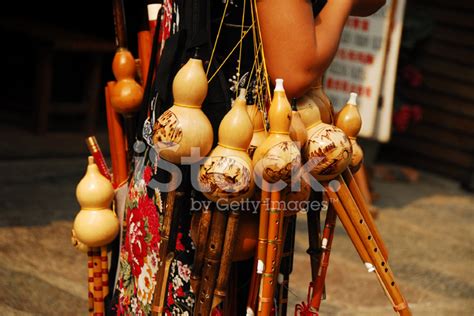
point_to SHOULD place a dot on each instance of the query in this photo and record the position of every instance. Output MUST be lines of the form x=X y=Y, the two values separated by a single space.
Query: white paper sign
x=359 y=65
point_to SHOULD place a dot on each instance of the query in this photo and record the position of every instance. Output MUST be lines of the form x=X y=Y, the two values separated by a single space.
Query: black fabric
x=318 y=6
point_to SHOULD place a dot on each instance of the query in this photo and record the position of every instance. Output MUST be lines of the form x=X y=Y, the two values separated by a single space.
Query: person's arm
x=299 y=48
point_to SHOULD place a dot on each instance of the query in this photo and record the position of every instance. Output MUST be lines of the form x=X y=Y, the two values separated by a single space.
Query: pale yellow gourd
x=349 y=120
x=327 y=151
x=316 y=96
x=278 y=157
x=184 y=125
x=227 y=174
x=298 y=131
x=95 y=225
x=259 y=132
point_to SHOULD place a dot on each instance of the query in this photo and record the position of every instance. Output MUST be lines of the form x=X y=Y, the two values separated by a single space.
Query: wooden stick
x=286 y=262
x=98 y=292
x=117 y=142
x=144 y=53
x=90 y=272
x=226 y=259
x=158 y=295
x=259 y=263
x=313 y=221
x=381 y=265
x=362 y=205
x=203 y=232
x=328 y=235
x=268 y=277
x=104 y=265
x=211 y=263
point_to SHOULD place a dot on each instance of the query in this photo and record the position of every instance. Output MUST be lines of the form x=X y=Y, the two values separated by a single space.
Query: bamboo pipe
x=98 y=289
x=158 y=295
x=203 y=232
x=328 y=235
x=382 y=267
x=313 y=222
x=118 y=150
x=211 y=264
x=286 y=265
x=226 y=259
x=362 y=205
x=268 y=284
x=259 y=263
x=104 y=265
x=144 y=53
x=90 y=271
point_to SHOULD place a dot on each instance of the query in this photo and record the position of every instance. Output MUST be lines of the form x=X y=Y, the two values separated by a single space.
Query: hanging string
x=217 y=37
x=231 y=52
x=239 y=62
x=262 y=51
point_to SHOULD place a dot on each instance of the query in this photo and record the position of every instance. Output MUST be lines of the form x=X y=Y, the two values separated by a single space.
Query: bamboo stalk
x=211 y=263
x=259 y=264
x=362 y=205
x=268 y=277
x=98 y=290
x=328 y=235
x=90 y=272
x=231 y=231
x=203 y=232
x=382 y=267
x=104 y=264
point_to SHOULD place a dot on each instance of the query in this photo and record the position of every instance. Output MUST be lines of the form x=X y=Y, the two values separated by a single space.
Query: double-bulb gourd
x=259 y=132
x=125 y=94
x=184 y=125
x=349 y=120
x=227 y=174
x=278 y=157
x=327 y=151
x=95 y=225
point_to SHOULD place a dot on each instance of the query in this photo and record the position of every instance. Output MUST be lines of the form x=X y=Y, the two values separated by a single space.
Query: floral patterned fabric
x=139 y=259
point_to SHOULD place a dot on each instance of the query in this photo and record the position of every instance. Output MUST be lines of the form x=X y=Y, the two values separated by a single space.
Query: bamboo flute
x=313 y=222
x=286 y=266
x=259 y=264
x=384 y=273
x=98 y=289
x=362 y=205
x=158 y=295
x=211 y=263
x=117 y=143
x=203 y=232
x=226 y=259
x=328 y=235
x=90 y=271
x=268 y=284
x=104 y=265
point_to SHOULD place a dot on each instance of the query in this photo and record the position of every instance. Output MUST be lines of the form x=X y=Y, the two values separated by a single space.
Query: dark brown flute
x=314 y=235
x=286 y=264
x=158 y=299
x=226 y=260
x=328 y=235
x=203 y=232
x=260 y=258
x=211 y=263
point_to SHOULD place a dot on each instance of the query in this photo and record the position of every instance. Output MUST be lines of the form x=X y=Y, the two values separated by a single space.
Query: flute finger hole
x=375 y=249
x=386 y=269
x=383 y=263
x=393 y=283
x=369 y=237
x=361 y=221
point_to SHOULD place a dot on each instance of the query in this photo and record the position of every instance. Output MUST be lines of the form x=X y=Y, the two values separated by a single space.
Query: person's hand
x=366 y=7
